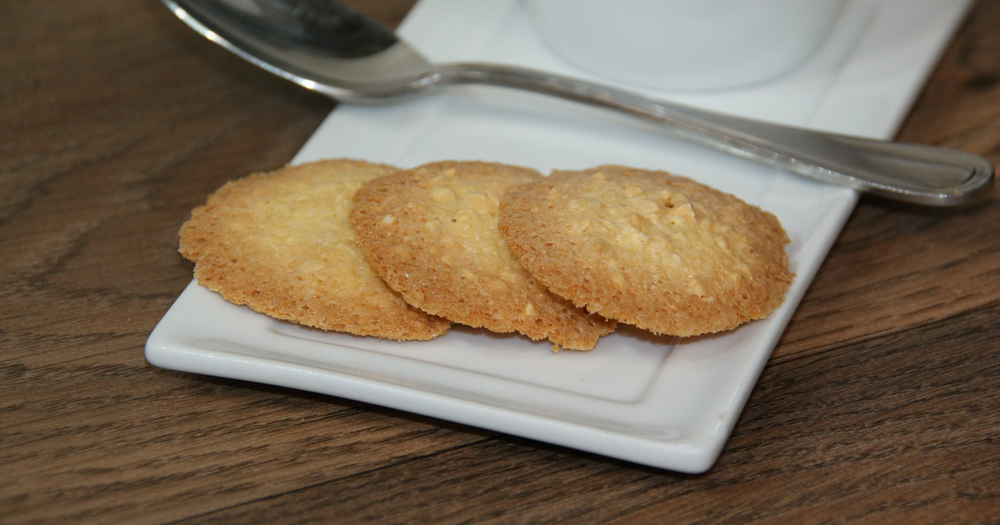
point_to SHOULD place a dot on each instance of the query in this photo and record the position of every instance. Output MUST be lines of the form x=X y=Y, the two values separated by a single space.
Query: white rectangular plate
x=650 y=400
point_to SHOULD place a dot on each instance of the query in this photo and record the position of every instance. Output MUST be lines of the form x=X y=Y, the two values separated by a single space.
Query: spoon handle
x=907 y=172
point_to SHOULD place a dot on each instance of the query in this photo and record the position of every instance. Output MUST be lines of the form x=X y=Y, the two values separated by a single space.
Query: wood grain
x=879 y=405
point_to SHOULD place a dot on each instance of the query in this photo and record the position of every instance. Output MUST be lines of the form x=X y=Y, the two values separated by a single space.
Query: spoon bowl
x=333 y=49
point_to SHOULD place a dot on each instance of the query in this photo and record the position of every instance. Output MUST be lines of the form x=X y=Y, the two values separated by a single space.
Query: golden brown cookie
x=648 y=248
x=282 y=244
x=431 y=233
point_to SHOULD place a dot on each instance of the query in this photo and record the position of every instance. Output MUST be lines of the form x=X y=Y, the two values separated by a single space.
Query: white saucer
x=644 y=399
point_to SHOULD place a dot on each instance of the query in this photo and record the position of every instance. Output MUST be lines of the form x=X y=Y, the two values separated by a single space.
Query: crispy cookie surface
x=648 y=248
x=431 y=233
x=282 y=244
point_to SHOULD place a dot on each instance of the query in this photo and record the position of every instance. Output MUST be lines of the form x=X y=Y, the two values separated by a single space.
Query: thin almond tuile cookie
x=282 y=244
x=648 y=248
x=431 y=233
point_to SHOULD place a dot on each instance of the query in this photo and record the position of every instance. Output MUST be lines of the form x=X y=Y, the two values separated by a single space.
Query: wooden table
x=880 y=404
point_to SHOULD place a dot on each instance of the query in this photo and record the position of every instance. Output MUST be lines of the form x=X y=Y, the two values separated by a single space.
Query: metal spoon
x=335 y=50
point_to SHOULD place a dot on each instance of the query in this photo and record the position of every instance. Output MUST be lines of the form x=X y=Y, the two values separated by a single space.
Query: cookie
x=431 y=233
x=648 y=248
x=282 y=244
